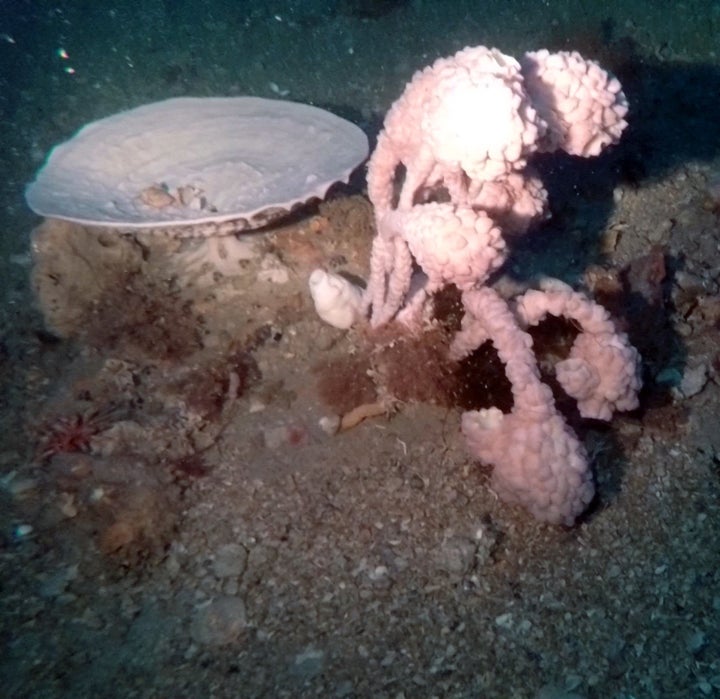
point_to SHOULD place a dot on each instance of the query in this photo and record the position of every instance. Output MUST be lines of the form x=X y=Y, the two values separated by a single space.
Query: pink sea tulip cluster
x=601 y=372
x=582 y=106
x=467 y=125
x=538 y=461
x=467 y=116
x=448 y=178
x=452 y=244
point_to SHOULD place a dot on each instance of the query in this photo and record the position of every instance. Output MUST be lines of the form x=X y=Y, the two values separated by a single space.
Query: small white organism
x=337 y=300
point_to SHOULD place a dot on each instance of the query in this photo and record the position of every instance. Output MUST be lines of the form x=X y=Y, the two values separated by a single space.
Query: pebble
x=705 y=687
x=172 y=565
x=329 y=424
x=696 y=641
x=57 y=583
x=668 y=377
x=379 y=577
x=344 y=689
x=22 y=531
x=230 y=561
x=552 y=692
x=230 y=587
x=693 y=381
x=220 y=622
x=260 y=559
x=272 y=270
x=17 y=487
x=656 y=234
x=309 y=663
x=504 y=621
x=326 y=337
x=455 y=556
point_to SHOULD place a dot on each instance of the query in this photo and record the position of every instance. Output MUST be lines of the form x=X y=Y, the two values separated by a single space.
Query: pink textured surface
x=452 y=244
x=583 y=106
x=465 y=116
x=538 y=462
x=602 y=370
x=463 y=130
x=467 y=124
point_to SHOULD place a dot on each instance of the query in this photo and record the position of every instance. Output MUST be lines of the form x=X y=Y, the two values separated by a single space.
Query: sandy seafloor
x=209 y=539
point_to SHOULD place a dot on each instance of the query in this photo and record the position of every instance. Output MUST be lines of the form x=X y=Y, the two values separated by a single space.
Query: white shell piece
x=337 y=300
x=243 y=160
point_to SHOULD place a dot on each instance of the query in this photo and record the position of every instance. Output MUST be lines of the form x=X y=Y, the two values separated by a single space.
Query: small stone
x=57 y=583
x=18 y=487
x=344 y=689
x=22 y=531
x=379 y=577
x=329 y=424
x=504 y=621
x=455 y=556
x=696 y=641
x=231 y=587
x=325 y=338
x=273 y=271
x=172 y=565
x=705 y=687
x=220 y=622
x=554 y=692
x=656 y=235
x=693 y=381
x=260 y=560
x=389 y=659
x=668 y=377
x=229 y=561
x=67 y=505
x=309 y=663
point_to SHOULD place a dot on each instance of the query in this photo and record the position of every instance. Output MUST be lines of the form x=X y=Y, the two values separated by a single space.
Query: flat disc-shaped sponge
x=197 y=166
